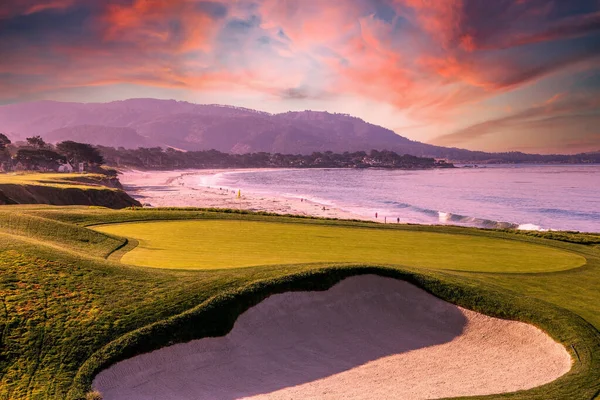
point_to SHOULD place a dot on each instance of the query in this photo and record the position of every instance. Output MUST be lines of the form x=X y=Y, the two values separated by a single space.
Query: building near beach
x=67 y=168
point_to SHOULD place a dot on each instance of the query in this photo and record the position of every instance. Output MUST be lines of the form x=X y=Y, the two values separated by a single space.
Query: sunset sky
x=480 y=74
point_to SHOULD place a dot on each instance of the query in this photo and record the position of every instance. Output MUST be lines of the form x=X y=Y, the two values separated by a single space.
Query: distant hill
x=187 y=126
x=168 y=123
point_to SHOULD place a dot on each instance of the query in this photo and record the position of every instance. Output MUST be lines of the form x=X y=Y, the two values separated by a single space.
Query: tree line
x=36 y=154
x=158 y=158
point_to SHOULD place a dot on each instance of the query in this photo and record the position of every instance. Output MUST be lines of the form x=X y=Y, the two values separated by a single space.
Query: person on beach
x=375 y=215
x=398 y=220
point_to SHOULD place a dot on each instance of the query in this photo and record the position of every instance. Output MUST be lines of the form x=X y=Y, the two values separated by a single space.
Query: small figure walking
x=398 y=220
x=375 y=215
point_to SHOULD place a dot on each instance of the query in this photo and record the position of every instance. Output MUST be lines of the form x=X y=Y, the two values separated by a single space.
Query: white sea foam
x=443 y=216
x=530 y=227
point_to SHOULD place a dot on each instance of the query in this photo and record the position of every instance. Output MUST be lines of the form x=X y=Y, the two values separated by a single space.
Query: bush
x=93 y=395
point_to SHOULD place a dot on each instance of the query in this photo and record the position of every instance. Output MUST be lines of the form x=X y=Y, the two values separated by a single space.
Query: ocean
x=535 y=197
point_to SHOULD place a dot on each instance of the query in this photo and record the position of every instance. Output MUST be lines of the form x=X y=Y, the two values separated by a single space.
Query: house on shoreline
x=66 y=168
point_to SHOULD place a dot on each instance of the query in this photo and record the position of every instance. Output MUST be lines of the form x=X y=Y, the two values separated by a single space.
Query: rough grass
x=68 y=237
x=232 y=244
x=66 y=312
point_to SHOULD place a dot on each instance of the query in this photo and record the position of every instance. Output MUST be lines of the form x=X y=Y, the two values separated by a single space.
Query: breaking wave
x=457 y=219
x=441 y=217
x=530 y=227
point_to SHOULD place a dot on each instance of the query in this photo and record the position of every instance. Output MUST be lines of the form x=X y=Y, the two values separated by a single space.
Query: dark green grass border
x=118 y=253
x=216 y=316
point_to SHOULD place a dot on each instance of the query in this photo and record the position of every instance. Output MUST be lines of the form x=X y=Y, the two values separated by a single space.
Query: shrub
x=93 y=395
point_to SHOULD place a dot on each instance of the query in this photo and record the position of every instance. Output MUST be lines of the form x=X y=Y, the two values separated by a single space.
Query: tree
x=80 y=152
x=36 y=142
x=39 y=158
x=4 y=154
x=4 y=141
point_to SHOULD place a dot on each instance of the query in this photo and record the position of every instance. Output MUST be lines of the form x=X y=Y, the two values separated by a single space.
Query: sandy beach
x=183 y=189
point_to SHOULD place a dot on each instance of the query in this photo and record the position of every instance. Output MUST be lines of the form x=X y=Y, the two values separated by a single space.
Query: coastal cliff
x=92 y=190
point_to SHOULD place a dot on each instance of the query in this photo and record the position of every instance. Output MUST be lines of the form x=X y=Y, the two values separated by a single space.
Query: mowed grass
x=232 y=244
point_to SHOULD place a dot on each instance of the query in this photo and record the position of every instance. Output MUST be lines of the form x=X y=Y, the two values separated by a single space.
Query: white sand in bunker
x=367 y=337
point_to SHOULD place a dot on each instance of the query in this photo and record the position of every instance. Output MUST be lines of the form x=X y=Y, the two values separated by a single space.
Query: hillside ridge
x=187 y=126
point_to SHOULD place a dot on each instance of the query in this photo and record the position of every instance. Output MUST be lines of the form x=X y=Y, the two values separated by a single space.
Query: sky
x=501 y=75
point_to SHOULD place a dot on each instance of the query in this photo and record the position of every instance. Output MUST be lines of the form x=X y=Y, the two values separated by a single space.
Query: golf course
x=86 y=289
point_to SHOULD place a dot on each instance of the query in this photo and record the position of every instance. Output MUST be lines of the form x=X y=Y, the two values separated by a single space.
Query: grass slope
x=231 y=244
x=66 y=311
x=59 y=180
x=63 y=189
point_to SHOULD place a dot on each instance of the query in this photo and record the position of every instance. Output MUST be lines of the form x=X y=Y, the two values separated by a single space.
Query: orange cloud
x=149 y=23
x=453 y=69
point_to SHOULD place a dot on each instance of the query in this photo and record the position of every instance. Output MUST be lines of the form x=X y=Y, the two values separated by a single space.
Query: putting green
x=229 y=244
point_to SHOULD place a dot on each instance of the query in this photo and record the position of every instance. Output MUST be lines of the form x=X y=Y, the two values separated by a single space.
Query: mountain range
x=185 y=126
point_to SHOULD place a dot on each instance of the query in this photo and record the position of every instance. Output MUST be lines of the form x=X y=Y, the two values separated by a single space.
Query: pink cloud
x=441 y=19
x=445 y=57
x=147 y=23
x=312 y=22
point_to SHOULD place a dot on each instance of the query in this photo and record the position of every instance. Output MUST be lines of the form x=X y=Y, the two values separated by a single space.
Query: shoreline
x=203 y=189
x=182 y=188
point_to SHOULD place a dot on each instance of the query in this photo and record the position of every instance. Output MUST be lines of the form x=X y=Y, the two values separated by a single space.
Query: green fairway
x=69 y=307
x=230 y=244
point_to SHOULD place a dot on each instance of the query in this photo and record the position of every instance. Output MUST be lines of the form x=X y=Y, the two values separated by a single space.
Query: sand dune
x=367 y=337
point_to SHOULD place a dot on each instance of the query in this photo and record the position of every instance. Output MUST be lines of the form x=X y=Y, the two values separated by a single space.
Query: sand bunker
x=367 y=337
